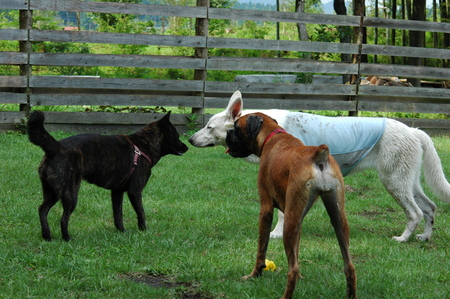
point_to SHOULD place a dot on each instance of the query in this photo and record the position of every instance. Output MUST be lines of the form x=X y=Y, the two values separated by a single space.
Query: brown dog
x=120 y=163
x=291 y=177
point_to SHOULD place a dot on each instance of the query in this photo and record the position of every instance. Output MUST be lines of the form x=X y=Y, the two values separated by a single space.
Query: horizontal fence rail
x=30 y=89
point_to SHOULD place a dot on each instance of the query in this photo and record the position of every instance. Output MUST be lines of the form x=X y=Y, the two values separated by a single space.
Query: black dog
x=121 y=163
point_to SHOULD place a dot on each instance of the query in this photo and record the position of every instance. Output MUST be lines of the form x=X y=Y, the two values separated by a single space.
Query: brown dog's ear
x=254 y=123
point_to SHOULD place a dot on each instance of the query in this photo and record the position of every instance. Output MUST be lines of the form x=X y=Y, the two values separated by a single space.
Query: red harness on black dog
x=137 y=153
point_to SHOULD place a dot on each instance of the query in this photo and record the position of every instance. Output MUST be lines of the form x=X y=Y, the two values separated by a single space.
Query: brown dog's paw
x=254 y=274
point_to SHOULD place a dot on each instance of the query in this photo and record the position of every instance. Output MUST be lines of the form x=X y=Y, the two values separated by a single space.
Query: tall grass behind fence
x=29 y=88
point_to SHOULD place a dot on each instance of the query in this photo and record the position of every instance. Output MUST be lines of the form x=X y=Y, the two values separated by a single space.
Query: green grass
x=202 y=230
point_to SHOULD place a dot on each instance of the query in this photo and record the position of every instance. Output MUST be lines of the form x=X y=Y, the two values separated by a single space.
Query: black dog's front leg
x=136 y=201
x=117 y=203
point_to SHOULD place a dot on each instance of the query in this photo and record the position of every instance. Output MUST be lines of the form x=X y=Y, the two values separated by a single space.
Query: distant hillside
x=328 y=8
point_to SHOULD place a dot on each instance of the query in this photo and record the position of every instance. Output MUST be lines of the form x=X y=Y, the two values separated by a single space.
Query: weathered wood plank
x=14 y=4
x=420 y=93
x=117 y=38
x=12 y=117
x=390 y=106
x=425 y=122
x=404 y=71
x=406 y=24
x=288 y=17
x=12 y=98
x=148 y=61
x=104 y=118
x=14 y=34
x=97 y=128
x=13 y=81
x=218 y=42
x=9 y=58
x=405 y=51
x=115 y=83
x=282 y=89
x=280 y=65
x=281 y=45
x=307 y=102
x=114 y=100
x=120 y=8
x=433 y=127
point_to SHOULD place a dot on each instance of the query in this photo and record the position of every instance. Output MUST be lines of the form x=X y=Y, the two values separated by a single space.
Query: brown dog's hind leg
x=117 y=204
x=334 y=203
x=265 y=222
x=296 y=208
x=291 y=238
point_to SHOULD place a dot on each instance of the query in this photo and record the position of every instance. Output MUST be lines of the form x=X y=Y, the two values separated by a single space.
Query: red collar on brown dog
x=275 y=132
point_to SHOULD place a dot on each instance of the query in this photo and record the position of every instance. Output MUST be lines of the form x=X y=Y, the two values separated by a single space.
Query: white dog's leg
x=400 y=190
x=414 y=217
x=398 y=161
x=428 y=208
x=278 y=230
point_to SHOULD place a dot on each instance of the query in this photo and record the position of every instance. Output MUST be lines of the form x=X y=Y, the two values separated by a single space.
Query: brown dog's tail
x=321 y=158
x=39 y=136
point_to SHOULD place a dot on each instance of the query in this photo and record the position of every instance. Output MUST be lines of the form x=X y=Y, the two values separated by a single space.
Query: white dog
x=394 y=149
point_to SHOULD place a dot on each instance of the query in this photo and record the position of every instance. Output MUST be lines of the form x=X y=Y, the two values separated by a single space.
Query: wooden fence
x=28 y=90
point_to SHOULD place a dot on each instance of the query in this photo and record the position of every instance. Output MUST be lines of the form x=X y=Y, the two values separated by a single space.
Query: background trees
x=438 y=11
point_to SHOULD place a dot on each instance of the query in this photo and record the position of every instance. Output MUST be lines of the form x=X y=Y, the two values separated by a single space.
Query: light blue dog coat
x=349 y=139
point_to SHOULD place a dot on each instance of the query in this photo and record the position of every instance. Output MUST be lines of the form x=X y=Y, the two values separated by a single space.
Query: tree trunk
x=359 y=8
x=417 y=38
x=404 y=44
x=201 y=29
x=445 y=7
x=26 y=22
x=301 y=27
x=394 y=16
x=344 y=33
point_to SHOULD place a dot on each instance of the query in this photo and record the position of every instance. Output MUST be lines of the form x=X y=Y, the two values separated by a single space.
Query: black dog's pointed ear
x=166 y=118
x=254 y=123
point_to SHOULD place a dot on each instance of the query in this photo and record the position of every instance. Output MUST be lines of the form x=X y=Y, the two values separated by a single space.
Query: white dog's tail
x=432 y=167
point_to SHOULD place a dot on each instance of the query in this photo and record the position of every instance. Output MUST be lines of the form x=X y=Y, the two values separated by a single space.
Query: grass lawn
x=202 y=231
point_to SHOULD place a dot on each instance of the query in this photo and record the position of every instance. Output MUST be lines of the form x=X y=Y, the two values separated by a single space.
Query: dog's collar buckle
x=273 y=133
x=137 y=153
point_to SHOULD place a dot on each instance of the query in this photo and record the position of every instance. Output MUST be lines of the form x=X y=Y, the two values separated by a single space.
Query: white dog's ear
x=235 y=105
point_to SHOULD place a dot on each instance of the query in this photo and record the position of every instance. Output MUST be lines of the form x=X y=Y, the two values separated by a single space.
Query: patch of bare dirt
x=375 y=214
x=186 y=290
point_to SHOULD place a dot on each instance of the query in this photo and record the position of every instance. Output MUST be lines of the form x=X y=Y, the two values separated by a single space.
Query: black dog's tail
x=40 y=137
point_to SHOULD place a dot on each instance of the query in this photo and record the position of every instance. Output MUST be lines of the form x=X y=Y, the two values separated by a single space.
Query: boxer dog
x=120 y=163
x=291 y=177
x=397 y=155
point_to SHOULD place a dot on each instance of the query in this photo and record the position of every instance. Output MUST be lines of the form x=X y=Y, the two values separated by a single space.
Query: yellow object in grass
x=270 y=266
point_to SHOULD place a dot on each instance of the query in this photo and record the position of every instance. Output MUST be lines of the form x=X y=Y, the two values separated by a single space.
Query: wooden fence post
x=25 y=22
x=201 y=29
x=356 y=78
